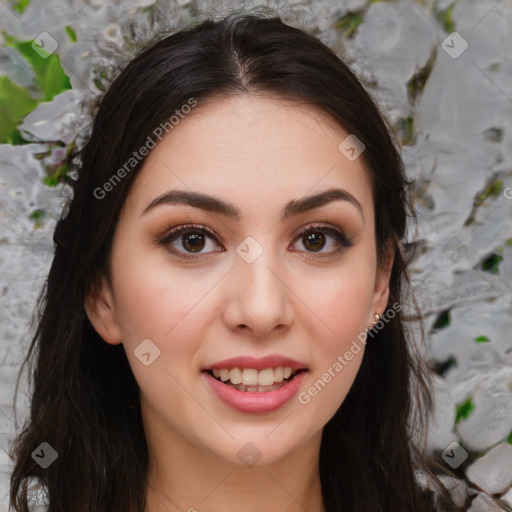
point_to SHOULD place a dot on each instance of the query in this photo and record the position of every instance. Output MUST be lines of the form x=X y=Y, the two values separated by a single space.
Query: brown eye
x=314 y=241
x=193 y=242
x=190 y=241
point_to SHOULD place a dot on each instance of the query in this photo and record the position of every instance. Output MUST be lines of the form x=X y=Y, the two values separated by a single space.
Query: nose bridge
x=261 y=297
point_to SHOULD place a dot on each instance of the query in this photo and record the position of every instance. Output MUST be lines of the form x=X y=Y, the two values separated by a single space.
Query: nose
x=259 y=299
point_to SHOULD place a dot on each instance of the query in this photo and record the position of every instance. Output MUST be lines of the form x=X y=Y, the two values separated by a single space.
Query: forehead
x=257 y=151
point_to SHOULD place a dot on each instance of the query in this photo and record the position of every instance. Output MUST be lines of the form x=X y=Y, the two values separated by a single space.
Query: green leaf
x=58 y=175
x=348 y=24
x=50 y=181
x=37 y=215
x=443 y=320
x=15 y=103
x=418 y=81
x=408 y=133
x=491 y=263
x=482 y=339
x=464 y=410
x=56 y=81
x=42 y=155
x=494 y=189
x=21 y=6
x=71 y=34
x=510 y=438
x=50 y=77
x=445 y=17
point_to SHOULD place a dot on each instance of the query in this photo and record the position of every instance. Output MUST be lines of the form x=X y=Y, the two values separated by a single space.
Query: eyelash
x=343 y=240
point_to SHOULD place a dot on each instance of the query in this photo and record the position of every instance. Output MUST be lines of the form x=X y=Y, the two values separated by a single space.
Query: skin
x=257 y=153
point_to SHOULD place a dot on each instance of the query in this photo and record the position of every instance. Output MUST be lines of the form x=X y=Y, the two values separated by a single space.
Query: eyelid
x=166 y=238
x=188 y=227
x=337 y=233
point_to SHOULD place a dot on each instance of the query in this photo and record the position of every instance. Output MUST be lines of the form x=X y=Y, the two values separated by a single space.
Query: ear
x=99 y=306
x=381 y=292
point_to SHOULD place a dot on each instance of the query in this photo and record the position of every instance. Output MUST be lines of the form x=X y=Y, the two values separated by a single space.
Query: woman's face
x=266 y=279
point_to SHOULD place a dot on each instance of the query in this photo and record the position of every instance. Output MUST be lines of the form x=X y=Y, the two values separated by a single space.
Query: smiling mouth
x=250 y=380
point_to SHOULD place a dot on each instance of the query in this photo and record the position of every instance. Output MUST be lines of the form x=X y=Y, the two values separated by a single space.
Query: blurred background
x=441 y=72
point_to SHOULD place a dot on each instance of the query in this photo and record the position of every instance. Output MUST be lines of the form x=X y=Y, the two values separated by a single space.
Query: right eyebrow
x=197 y=200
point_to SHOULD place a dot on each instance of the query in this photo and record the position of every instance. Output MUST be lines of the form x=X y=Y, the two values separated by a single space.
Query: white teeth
x=266 y=377
x=256 y=389
x=235 y=376
x=251 y=379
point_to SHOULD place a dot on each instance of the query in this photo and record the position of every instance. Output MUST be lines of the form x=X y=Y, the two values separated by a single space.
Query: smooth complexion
x=257 y=154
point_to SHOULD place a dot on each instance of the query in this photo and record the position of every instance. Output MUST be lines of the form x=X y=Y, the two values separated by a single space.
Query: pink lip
x=257 y=363
x=255 y=403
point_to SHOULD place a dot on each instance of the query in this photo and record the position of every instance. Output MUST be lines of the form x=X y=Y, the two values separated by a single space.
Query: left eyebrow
x=327 y=196
x=214 y=204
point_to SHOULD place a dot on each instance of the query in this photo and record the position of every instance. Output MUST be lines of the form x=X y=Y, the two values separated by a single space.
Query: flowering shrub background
x=441 y=71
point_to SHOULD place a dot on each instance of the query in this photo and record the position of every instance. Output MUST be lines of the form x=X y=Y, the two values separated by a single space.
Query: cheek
x=344 y=304
x=341 y=349
x=337 y=356
x=343 y=301
x=164 y=309
x=151 y=299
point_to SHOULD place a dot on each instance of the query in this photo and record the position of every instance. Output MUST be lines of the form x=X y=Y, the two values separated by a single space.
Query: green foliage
x=58 y=172
x=348 y=24
x=17 y=101
x=70 y=31
x=510 y=438
x=58 y=175
x=441 y=367
x=49 y=75
x=464 y=410
x=21 y=5
x=418 y=81
x=482 y=339
x=36 y=216
x=407 y=129
x=445 y=18
x=42 y=155
x=491 y=263
x=494 y=189
x=443 y=320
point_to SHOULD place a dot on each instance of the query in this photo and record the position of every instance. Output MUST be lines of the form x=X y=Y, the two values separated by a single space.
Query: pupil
x=316 y=239
x=195 y=242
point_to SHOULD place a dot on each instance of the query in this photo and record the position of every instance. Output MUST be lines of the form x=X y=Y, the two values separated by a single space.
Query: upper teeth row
x=252 y=377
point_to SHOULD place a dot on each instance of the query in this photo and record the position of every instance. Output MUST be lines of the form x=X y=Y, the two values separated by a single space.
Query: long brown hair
x=85 y=400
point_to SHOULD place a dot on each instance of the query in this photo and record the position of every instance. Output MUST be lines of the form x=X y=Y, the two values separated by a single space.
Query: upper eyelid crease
x=338 y=234
x=210 y=203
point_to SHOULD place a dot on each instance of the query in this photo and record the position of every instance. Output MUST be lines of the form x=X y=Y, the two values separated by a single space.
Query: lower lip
x=257 y=402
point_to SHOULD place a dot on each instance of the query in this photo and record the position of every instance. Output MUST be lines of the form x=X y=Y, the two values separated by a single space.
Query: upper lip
x=257 y=363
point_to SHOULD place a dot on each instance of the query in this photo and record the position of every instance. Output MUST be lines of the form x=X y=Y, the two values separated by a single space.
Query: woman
x=221 y=326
